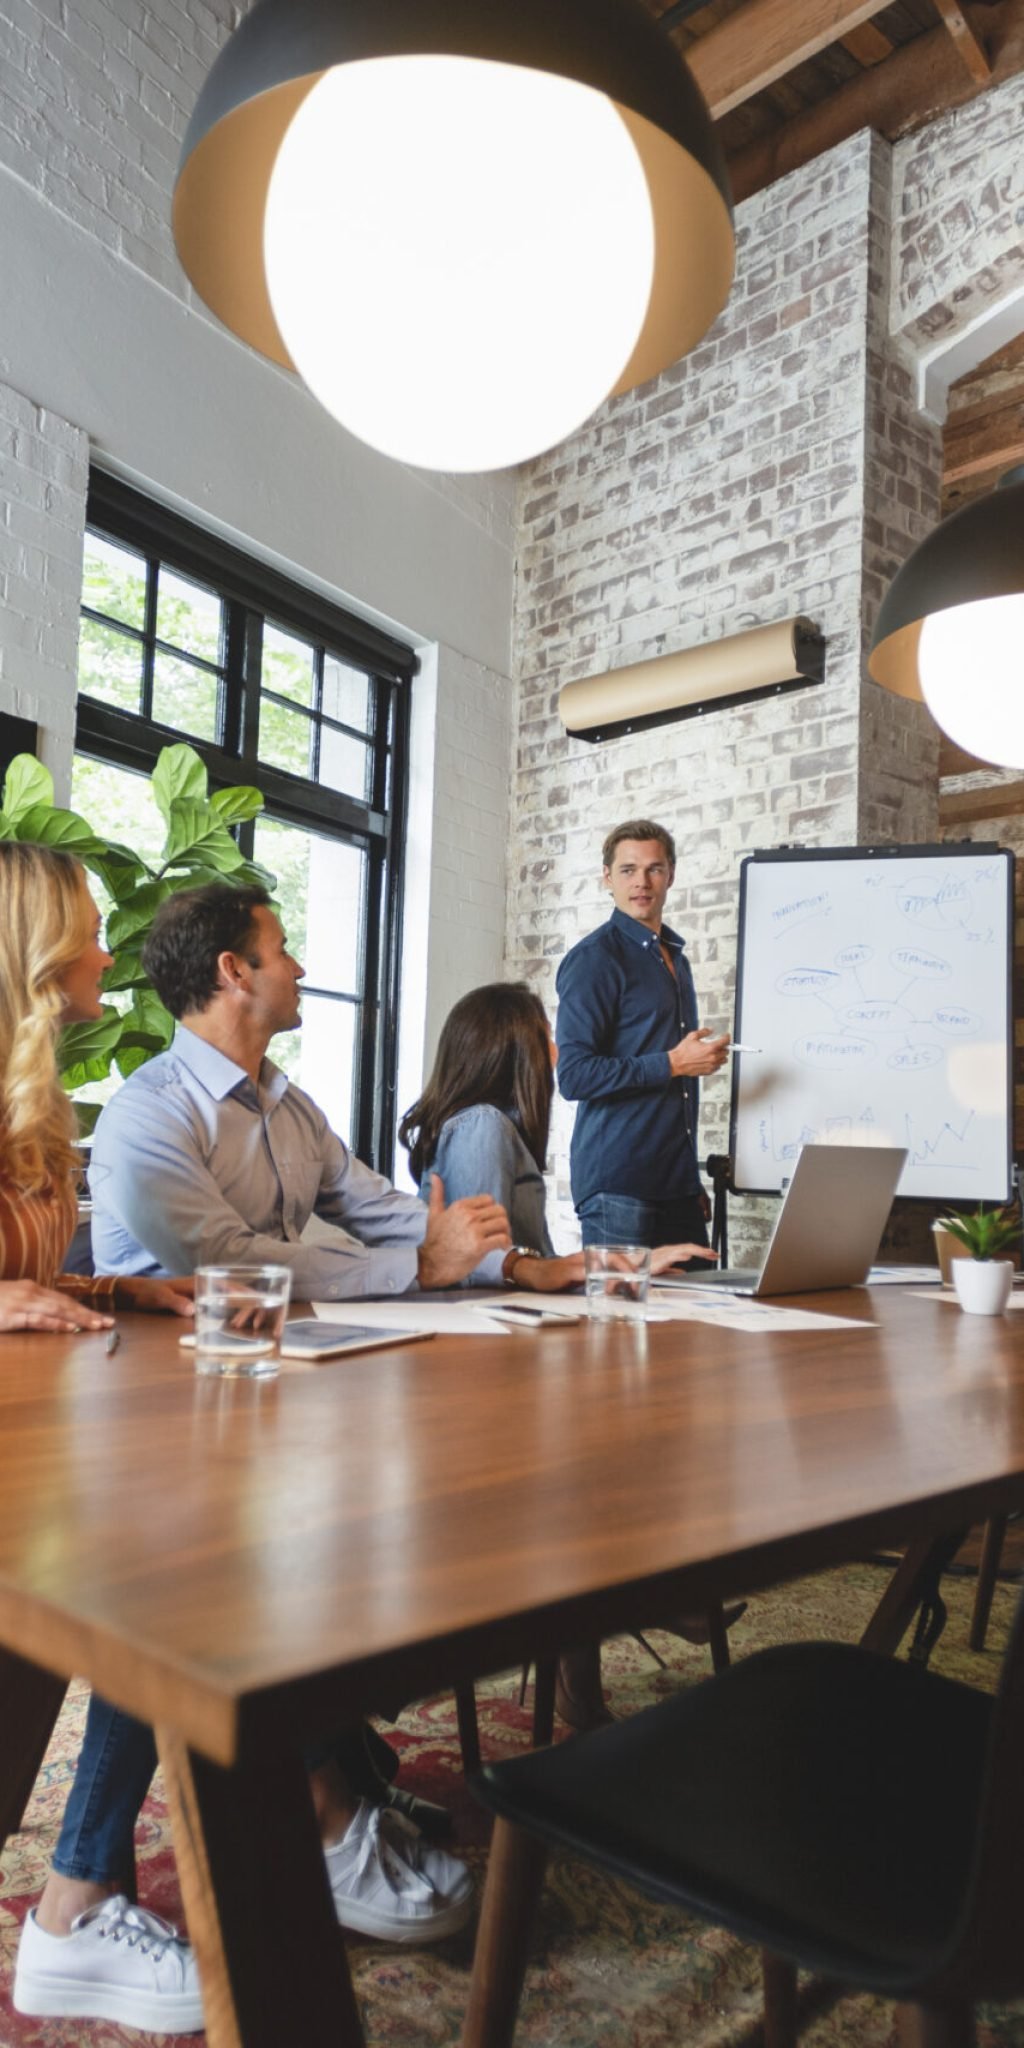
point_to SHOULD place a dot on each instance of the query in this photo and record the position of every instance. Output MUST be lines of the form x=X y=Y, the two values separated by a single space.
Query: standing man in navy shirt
x=630 y=1052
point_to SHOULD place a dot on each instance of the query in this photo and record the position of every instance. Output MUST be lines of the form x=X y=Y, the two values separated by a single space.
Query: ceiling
x=787 y=79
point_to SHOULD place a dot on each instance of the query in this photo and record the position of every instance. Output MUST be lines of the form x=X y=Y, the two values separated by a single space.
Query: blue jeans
x=115 y=1766
x=113 y=1774
x=625 y=1219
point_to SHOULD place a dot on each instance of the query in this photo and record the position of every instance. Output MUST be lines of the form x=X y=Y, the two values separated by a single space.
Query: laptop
x=828 y=1228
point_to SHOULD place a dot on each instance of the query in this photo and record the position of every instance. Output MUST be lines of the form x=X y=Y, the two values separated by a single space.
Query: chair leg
x=469 y=1730
x=949 y=2024
x=30 y=1701
x=515 y=1872
x=780 y=2002
x=991 y=1552
x=718 y=1638
x=544 y=1702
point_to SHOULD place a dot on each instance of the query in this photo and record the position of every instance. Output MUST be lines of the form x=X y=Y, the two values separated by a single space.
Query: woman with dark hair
x=481 y=1125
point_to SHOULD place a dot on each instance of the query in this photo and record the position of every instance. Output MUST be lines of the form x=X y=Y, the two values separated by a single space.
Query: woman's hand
x=667 y=1255
x=548 y=1276
x=24 y=1305
x=167 y=1297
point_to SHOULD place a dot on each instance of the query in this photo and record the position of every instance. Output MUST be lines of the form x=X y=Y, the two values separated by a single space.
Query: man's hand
x=458 y=1238
x=24 y=1305
x=157 y=1297
x=699 y=1053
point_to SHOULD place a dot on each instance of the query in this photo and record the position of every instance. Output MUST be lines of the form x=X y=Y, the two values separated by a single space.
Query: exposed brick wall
x=43 y=478
x=726 y=493
x=959 y=215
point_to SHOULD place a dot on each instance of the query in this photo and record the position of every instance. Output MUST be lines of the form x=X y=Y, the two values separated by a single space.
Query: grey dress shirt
x=194 y=1165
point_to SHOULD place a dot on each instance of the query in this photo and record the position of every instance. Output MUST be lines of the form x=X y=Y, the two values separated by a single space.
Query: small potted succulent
x=983 y=1279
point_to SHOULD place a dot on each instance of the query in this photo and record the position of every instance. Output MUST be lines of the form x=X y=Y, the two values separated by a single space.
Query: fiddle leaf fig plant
x=198 y=847
x=985 y=1233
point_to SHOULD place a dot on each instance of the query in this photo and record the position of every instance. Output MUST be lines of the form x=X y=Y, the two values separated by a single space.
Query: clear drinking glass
x=240 y=1313
x=617 y=1277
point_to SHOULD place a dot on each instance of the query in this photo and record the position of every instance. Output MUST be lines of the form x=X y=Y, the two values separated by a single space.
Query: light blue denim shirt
x=193 y=1165
x=481 y=1152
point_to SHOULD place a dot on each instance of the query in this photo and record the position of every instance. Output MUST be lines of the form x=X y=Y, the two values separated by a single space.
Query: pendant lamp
x=951 y=626
x=464 y=225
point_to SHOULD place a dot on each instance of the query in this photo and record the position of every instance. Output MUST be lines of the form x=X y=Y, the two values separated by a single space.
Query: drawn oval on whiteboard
x=912 y=1059
x=806 y=981
x=952 y=1018
x=923 y=966
x=855 y=956
x=875 y=1015
x=830 y=1051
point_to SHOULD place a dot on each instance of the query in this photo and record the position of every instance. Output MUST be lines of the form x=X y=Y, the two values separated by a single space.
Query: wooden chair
x=859 y=1817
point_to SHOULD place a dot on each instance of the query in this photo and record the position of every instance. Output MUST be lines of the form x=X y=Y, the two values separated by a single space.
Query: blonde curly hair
x=45 y=923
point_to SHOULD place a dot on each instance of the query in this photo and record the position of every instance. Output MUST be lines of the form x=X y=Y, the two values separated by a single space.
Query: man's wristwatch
x=518 y=1251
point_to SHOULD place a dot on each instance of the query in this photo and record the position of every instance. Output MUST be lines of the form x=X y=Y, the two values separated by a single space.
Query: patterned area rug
x=609 y=1970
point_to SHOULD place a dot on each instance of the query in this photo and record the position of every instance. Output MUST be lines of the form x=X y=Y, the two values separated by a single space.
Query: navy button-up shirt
x=619 y=1013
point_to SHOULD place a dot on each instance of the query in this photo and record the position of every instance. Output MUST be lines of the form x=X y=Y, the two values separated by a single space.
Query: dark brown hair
x=190 y=932
x=494 y=1047
x=638 y=828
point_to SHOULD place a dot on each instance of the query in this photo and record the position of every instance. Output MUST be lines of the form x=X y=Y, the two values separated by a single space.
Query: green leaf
x=234 y=806
x=986 y=1232
x=179 y=773
x=46 y=825
x=126 y=972
x=87 y=1116
x=146 y=1024
x=28 y=783
x=133 y=1056
x=136 y=913
x=250 y=872
x=6 y=828
x=196 y=838
x=91 y=1039
x=119 y=869
x=85 y=1071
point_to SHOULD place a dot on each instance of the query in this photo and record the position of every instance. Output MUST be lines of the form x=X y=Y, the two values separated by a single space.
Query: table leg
x=30 y=1701
x=271 y=1956
x=916 y=1570
x=515 y=1873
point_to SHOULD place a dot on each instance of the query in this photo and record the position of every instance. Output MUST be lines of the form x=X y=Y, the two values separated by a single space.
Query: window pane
x=188 y=615
x=321 y=1057
x=186 y=697
x=114 y=580
x=110 y=666
x=288 y=666
x=320 y=887
x=285 y=738
x=120 y=803
x=344 y=763
x=346 y=694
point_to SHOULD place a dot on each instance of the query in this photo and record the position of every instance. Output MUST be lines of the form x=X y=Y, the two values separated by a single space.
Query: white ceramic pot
x=983 y=1285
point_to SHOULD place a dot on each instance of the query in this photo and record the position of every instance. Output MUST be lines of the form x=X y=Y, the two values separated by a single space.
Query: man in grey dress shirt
x=209 y=1155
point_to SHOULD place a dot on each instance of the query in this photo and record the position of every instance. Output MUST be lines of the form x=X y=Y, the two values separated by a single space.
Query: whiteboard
x=877 y=984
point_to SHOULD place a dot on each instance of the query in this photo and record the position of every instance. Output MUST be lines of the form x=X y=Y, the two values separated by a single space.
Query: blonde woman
x=51 y=964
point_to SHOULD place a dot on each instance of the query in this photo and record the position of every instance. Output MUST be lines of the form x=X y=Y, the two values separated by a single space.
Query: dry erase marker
x=113 y=1340
x=744 y=1048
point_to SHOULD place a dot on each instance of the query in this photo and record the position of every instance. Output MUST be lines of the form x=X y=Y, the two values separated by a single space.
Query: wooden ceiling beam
x=867 y=44
x=967 y=806
x=920 y=80
x=965 y=42
x=763 y=40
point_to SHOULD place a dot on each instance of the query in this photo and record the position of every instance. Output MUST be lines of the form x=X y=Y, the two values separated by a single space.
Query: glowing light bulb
x=971 y=664
x=459 y=255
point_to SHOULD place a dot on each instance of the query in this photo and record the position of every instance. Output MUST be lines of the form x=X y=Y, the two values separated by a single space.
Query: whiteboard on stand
x=876 y=984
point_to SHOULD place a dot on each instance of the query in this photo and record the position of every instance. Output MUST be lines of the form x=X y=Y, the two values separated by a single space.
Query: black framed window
x=184 y=637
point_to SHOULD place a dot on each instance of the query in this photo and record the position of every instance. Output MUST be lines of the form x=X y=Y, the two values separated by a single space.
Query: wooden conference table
x=248 y=1566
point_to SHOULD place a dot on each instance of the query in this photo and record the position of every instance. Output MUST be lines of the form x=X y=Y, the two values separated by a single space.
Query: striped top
x=35 y=1232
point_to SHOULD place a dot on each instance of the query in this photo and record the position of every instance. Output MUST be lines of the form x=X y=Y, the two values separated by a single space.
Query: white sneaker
x=387 y=1880
x=118 y=1963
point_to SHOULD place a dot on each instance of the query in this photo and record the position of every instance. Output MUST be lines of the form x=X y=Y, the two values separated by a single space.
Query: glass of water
x=240 y=1312
x=617 y=1277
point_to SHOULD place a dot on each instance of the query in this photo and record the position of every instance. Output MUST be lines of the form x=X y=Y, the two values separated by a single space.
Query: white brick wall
x=43 y=477
x=959 y=216
x=725 y=494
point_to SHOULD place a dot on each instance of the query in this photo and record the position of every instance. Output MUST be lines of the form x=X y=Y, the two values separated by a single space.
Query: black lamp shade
x=976 y=553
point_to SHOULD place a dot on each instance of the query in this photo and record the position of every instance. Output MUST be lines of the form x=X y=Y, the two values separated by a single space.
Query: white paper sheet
x=446 y=1316
x=741 y=1312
